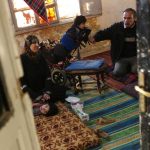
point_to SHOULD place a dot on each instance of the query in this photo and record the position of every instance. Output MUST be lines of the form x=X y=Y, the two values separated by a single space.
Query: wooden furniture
x=88 y=67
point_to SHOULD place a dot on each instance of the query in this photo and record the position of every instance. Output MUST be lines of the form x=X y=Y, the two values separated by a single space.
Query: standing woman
x=36 y=80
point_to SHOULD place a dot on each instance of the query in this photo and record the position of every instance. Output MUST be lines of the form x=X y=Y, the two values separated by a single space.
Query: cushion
x=85 y=65
x=64 y=131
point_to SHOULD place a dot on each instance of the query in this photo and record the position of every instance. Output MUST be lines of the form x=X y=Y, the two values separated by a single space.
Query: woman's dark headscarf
x=31 y=39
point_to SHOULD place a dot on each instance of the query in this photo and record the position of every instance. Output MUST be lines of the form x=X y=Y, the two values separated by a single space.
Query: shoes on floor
x=105 y=121
x=101 y=134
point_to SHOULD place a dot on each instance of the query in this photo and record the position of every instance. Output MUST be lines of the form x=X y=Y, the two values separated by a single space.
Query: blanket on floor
x=64 y=131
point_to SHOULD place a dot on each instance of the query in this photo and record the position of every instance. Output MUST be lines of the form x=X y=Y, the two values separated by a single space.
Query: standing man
x=123 y=43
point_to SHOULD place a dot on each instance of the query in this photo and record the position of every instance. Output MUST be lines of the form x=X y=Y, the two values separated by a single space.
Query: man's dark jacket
x=115 y=34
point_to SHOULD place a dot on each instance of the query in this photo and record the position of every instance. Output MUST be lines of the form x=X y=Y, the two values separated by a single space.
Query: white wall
x=112 y=11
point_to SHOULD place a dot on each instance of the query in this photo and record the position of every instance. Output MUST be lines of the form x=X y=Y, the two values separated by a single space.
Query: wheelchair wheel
x=59 y=77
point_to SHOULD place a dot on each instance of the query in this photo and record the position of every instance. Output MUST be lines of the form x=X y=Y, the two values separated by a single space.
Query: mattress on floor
x=64 y=131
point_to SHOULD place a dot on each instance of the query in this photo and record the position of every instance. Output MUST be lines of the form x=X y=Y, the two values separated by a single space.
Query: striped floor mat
x=124 y=133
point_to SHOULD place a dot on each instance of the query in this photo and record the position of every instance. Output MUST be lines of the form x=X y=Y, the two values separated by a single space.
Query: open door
x=143 y=35
x=17 y=129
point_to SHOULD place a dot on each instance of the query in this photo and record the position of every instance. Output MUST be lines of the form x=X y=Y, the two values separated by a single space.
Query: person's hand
x=35 y=104
x=73 y=59
x=91 y=40
x=60 y=63
x=45 y=97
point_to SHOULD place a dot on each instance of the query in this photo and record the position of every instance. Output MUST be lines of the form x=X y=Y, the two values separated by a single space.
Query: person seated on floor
x=123 y=43
x=74 y=37
x=44 y=108
x=36 y=79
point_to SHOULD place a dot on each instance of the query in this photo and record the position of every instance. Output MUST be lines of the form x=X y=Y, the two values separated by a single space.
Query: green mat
x=124 y=133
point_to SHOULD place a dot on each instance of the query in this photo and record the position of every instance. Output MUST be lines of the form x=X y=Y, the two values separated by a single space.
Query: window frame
x=54 y=5
x=37 y=25
x=90 y=14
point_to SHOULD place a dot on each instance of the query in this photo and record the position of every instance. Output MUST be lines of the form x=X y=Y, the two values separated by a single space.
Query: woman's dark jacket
x=36 y=80
x=36 y=72
x=115 y=34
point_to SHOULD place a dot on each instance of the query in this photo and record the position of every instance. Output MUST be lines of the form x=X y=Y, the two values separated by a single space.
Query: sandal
x=101 y=133
x=105 y=121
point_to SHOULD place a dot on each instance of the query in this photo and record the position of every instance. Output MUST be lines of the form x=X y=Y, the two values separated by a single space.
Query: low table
x=88 y=67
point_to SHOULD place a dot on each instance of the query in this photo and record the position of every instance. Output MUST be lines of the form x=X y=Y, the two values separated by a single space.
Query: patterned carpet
x=64 y=131
x=124 y=133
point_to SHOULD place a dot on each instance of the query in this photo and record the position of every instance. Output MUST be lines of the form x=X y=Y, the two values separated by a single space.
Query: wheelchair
x=56 y=65
x=58 y=58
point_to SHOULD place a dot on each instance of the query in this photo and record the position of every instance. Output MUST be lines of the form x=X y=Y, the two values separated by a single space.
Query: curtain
x=38 y=7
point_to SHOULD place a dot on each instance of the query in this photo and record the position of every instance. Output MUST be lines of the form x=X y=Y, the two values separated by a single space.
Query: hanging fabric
x=38 y=7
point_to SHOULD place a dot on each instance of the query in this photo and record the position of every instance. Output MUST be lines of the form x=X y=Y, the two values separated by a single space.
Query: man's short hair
x=131 y=10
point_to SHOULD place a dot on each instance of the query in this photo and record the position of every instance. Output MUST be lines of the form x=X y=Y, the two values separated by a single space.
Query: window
x=89 y=7
x=25 y=17
x=68 y=8
x=57 y=11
